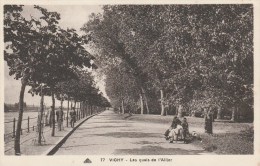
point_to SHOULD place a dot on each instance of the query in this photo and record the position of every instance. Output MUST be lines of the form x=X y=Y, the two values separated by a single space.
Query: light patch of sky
x=71 y=17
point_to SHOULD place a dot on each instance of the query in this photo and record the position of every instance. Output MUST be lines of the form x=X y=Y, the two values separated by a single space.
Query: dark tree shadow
x=82 y=145
x=112 y=121
x=156 y=150
x=128 y=135
x=99 y=127
x=147 y=142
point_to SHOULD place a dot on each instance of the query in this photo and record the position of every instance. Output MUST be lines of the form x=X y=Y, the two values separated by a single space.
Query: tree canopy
x=198 y=55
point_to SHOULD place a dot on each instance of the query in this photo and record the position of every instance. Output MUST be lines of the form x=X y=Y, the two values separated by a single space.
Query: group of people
x=59 y=117
x=177 y=129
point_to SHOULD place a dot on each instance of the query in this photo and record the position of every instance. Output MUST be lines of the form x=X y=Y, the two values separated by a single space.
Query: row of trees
x=187 y=57
x=50 y=59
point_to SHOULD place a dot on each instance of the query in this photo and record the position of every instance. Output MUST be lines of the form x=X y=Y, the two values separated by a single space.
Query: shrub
x=229 y=143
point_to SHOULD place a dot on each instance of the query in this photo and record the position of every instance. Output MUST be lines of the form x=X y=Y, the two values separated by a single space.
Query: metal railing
x=32 y=124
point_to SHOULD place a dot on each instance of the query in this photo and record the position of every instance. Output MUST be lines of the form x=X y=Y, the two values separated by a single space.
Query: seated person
x=174 y=130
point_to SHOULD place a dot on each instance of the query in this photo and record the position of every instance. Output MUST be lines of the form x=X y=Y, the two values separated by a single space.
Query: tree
x=17 y=35
x=39 y=52
x=105 y=37
x=121 y=88
x=178 y=52
x=64 y=52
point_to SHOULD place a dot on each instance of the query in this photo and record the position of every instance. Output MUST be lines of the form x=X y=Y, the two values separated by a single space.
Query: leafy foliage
x=46 y=57
x=200 y=55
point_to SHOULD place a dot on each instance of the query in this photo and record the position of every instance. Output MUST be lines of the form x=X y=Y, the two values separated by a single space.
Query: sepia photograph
x=128 y=80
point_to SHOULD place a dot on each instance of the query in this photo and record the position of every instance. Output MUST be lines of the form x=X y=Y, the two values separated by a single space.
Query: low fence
x=29 y=125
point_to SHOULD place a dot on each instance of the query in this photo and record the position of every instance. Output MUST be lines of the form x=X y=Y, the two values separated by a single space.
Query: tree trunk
x=219 y=115
x=141 y=104
x=53 y=114
x=83 y=108
x=180 y=109
x=89 y=110
x=123 y=106
x=20 y=117
x=40 y=119
x=67 y=119
x=61 y=104
x=78 y=109
x=162 y=105
x=61 y=118
x=145 y=100
x=233 y=118
x=146 y=104
x=86 y=109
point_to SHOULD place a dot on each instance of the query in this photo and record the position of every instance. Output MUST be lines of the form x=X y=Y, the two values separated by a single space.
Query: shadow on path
x=73 y=146
x=148 y=142
x=100 y=127
x=111 y=121
x=155 y=150
x=128 y=135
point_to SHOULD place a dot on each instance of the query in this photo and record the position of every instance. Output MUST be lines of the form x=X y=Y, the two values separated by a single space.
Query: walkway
x=109 y=134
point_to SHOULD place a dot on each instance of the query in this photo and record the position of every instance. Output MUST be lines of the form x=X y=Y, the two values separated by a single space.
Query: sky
x=73 y=16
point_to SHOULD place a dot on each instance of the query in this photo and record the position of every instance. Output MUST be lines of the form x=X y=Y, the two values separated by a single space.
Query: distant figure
x=185 y=127
x=208 y=121
x=59 y=115
x=47 y=117
x=52 y=116
x=72 y=117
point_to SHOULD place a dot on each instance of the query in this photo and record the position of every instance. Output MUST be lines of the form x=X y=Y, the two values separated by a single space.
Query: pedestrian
x=72 y=117
x=208 y=121
x=185 y=127
x=52 y=117
x=47 y=117
x=59 y=116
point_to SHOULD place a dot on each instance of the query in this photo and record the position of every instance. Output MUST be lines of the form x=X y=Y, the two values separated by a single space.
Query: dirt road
x=107 y=134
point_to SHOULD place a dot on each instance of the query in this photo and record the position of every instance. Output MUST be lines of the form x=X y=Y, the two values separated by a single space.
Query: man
x=185 y=127
x=72 y=117
x=59 y=114
x=208 y=121
x=52 y=117
x=47 y=117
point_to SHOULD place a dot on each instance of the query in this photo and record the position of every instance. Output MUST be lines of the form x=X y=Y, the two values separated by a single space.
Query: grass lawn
x=228 y=138
x=229 y=143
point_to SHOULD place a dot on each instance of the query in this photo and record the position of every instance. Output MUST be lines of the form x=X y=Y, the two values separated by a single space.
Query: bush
x=6 y=109
x=229 y=143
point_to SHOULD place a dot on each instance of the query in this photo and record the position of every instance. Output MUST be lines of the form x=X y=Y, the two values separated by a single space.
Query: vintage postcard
x=130 y=82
